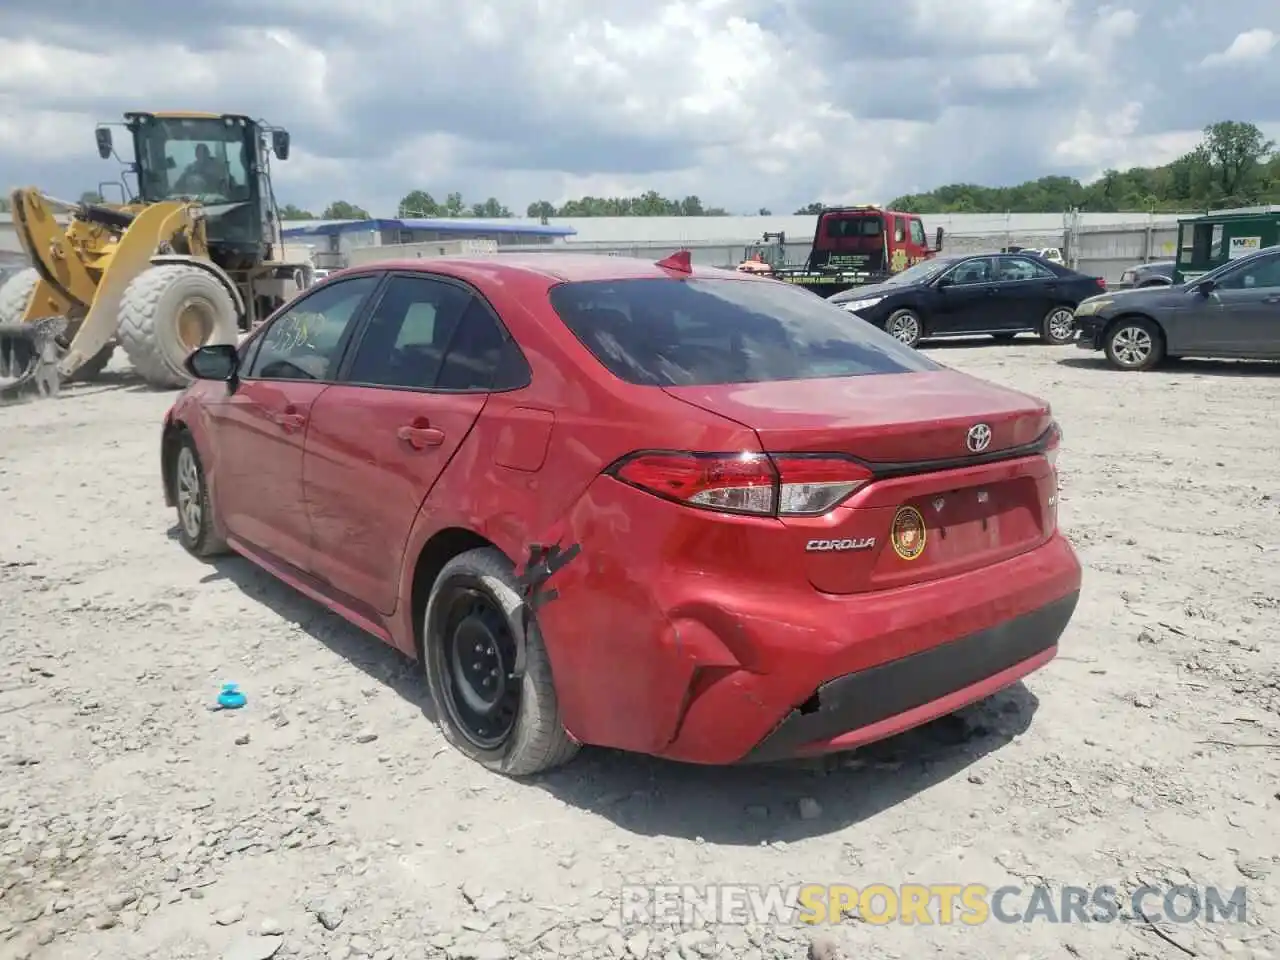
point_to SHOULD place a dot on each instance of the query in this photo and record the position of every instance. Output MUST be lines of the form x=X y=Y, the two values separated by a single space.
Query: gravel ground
x=329 y=820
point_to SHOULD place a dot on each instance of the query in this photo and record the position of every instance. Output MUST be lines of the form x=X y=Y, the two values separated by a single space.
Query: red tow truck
x=851 y=246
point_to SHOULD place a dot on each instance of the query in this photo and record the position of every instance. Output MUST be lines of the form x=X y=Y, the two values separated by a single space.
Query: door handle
x=420 y=435
x=1274 y=298
x=991 y=291
x=290 y=421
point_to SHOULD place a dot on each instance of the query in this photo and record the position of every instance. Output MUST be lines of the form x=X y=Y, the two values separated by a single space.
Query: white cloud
x=1248 y=47
x=746 y=103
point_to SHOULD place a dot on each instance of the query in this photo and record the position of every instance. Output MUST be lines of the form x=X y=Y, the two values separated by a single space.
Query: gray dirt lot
x=136 y=823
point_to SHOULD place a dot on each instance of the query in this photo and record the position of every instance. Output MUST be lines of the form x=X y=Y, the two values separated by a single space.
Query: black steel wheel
x=483 y=696
x=472 y=626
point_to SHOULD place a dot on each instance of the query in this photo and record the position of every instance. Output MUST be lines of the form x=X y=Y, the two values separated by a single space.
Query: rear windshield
x=854 y=226
x=663 y=332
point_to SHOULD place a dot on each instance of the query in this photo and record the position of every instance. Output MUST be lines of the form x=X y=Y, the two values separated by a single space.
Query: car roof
x=555 y=267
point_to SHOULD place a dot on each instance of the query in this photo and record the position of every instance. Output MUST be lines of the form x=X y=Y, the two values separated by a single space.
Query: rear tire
x=167 y=312
x=197 y=531
x=1058 y=325
x=15 y=294
x=1134 y=343
x=905 y=327
x=509 y=726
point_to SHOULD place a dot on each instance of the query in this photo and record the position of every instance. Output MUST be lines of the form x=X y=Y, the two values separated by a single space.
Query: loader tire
x=15 y=294
x=167 y=312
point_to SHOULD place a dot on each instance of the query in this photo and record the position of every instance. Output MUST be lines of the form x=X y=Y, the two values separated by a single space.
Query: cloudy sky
x=746 y=103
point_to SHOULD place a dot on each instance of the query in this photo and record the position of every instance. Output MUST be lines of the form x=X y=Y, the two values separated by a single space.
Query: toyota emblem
x=979 y=438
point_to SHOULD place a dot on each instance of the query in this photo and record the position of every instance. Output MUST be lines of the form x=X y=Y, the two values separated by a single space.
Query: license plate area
x=973 y=521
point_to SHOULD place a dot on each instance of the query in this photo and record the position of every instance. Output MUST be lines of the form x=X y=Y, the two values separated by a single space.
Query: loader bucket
x=29 y=359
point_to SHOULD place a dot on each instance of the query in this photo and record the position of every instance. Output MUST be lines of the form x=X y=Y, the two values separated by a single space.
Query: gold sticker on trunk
x=908 y=534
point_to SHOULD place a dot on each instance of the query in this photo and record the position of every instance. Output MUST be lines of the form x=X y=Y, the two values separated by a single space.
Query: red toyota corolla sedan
x=681 y=511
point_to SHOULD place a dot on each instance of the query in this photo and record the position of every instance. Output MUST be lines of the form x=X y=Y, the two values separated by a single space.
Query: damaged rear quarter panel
x=621 y=673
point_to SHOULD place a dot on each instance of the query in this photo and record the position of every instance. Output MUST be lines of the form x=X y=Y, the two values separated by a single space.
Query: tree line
x=1233 y=165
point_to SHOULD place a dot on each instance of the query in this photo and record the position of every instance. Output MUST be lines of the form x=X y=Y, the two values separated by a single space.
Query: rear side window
x=664 y=332
x=405 y=340
x=427 y=334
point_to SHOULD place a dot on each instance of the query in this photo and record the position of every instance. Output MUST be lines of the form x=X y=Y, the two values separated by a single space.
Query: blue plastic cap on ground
x=231 y=698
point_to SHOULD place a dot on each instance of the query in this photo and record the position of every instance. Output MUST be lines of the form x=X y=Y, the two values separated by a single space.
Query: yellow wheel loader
x=194 y=256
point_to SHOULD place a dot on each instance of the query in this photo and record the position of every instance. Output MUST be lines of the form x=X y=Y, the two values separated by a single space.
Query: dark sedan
x=1231 y=312
x=998 y=295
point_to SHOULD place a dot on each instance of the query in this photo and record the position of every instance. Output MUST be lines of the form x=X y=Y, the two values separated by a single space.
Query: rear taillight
x=1052 y=444
x=787 y=485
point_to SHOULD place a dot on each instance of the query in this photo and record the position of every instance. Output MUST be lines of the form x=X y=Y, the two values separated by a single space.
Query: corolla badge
x=978 y=438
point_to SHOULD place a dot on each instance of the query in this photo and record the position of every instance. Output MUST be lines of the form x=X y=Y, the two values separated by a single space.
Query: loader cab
x=869 y=239
x=219 y=160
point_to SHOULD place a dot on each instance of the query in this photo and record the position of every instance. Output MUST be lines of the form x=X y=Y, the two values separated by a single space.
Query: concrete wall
x=1107 y=252
x=1101 y=251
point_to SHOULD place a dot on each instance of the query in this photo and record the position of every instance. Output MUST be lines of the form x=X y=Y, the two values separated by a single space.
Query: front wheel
x=470 y=628
x=1058 y=326
x=904 y=326
x=196 y=529
x=1135 y=344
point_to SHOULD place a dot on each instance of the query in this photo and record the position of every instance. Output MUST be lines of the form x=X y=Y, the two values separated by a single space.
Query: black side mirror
x=937 y=243
x=217 y=361
x=1205 y=287
x=103 y=136
x=943 y=282
x=280 y=143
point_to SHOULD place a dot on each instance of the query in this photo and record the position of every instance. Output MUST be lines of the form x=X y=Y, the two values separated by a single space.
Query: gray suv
x=1158 y=273
x=1231 y=312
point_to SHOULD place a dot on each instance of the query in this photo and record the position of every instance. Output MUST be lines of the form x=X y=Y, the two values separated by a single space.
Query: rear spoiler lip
x=885 y=471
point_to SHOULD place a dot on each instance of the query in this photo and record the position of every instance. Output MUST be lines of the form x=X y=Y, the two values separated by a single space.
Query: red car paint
x=679 y=631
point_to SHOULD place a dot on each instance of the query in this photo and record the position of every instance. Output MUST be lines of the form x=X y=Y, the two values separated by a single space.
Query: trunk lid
x=901 y=418
x=937 y=508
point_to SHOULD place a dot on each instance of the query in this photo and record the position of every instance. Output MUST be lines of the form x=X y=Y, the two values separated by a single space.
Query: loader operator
x=204 y=171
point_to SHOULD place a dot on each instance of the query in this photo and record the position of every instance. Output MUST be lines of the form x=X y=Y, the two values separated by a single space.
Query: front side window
x=917 y=233
x=1260 y=274
x=920 y=273
x=977 y=270
x=305 y=341
x=668 y=332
